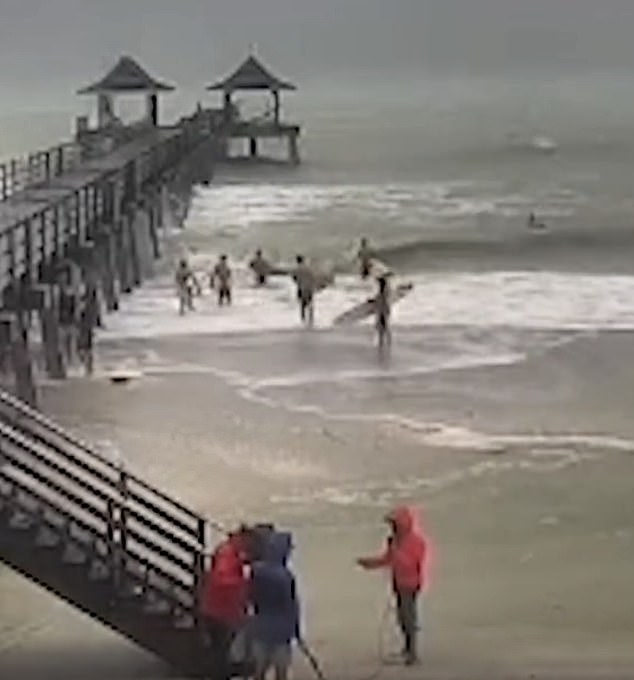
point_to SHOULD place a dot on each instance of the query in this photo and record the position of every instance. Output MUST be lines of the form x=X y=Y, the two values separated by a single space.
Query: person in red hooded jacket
x=224 y=598
x=405 y=555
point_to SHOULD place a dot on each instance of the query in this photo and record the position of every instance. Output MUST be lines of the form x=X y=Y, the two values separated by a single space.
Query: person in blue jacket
x=276 y=609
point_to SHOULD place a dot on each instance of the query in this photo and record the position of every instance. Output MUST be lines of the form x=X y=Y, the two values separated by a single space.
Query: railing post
x=14 y=175
x=59 y=161
x=5 y=188
x=123 y=519
x=199 y=567
x=111 y=534
x=47 y=165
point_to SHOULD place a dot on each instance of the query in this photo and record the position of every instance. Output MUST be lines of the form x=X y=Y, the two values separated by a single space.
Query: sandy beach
x=523 y=474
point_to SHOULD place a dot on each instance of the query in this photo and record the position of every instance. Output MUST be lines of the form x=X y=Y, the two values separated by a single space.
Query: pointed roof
x=251 y=75
x=127 y=76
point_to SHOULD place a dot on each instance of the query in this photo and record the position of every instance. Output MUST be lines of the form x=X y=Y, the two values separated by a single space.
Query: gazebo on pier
x=126 y=77
x=253 y=76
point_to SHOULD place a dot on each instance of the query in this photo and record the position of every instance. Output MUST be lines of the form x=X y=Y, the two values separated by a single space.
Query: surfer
x=365 y=256
x=382 y=311
x=221 y=279
x=186 y=285
x=305 y=282
x=533 y=224
x=260 y=267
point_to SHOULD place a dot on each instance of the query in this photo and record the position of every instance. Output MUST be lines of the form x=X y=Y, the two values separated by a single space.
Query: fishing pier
x=81 y=222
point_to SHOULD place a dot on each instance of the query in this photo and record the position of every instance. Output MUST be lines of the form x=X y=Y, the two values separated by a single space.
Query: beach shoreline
x=525 y=494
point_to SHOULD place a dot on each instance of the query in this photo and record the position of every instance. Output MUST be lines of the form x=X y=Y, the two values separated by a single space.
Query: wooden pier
x=80 y=221
x=80 y=226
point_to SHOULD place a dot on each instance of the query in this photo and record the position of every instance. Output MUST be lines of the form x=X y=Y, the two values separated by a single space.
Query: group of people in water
x=308 y=282
x=249 y=593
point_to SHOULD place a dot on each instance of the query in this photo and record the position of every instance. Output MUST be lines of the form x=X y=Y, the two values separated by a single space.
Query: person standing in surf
x=305 y=282
x=365 y=256
x=221 y=280
x=260 y=267
x=382 y=311
x=186 y=285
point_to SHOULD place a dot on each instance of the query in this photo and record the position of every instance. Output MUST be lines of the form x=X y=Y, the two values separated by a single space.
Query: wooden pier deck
x=90 y=207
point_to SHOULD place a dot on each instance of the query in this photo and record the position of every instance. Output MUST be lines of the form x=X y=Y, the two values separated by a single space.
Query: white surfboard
x=366 y=308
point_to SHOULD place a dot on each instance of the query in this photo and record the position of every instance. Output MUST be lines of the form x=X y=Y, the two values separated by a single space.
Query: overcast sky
x=67 y=42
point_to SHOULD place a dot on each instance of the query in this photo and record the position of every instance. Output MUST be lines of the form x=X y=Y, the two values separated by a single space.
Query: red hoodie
x=405 y=553
x=225 y=587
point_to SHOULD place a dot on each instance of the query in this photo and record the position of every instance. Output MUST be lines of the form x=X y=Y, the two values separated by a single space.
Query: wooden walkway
x=28 y=201
x=40 y=220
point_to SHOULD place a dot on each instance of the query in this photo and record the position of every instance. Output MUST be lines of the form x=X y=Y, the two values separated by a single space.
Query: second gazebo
x=254 y=77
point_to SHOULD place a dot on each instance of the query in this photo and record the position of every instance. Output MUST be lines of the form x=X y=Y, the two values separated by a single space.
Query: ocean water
x=441 y=176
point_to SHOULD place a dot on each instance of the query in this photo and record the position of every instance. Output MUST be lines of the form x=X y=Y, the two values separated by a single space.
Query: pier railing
x=40 y=236
x=147 y=539
x=26 y=172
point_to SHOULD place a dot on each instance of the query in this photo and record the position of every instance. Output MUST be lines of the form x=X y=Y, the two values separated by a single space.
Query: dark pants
x=306 y=309
x=407 y=617
x=219 y=637
x=224 y=295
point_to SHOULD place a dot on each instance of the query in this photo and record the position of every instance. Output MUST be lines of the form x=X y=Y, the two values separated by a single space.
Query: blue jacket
x=274 y=594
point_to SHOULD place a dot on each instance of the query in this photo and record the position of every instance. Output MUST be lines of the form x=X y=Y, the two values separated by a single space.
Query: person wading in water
x=261 y=268
x=383 y=311
x=221 y=279
x=305 y=282
x=186 y=286
x=365 y=256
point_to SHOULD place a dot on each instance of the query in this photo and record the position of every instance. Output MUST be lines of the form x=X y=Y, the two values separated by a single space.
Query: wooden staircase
x=100 y=538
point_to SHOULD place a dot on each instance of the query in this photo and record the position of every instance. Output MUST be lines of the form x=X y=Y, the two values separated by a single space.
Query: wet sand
x=523 y=472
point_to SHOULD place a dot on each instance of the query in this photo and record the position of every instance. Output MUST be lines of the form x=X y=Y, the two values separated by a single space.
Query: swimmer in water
x=533 y=224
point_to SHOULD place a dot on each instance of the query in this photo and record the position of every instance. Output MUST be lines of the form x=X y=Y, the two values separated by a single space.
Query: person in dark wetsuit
x=221 y=280
x=382 y=310
x=364 y=256
x=260 y=267
x=305 y=281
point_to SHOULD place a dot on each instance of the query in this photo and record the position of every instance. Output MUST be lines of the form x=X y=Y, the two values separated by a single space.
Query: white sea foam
x=526 y=300
x=230 y=208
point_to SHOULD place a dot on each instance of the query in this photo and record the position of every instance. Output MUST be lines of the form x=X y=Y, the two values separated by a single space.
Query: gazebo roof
x=127 y=76
x=252 y=75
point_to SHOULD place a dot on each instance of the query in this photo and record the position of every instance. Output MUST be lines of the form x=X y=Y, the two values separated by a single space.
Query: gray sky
x=66 y=42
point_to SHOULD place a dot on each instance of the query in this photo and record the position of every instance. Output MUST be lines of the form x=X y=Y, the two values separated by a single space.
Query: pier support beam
x=51 y=336
x=155 y=219
x=123 y=257
x=15 y=338
x=134 y=247
x=105 y=248
x=293 y=149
